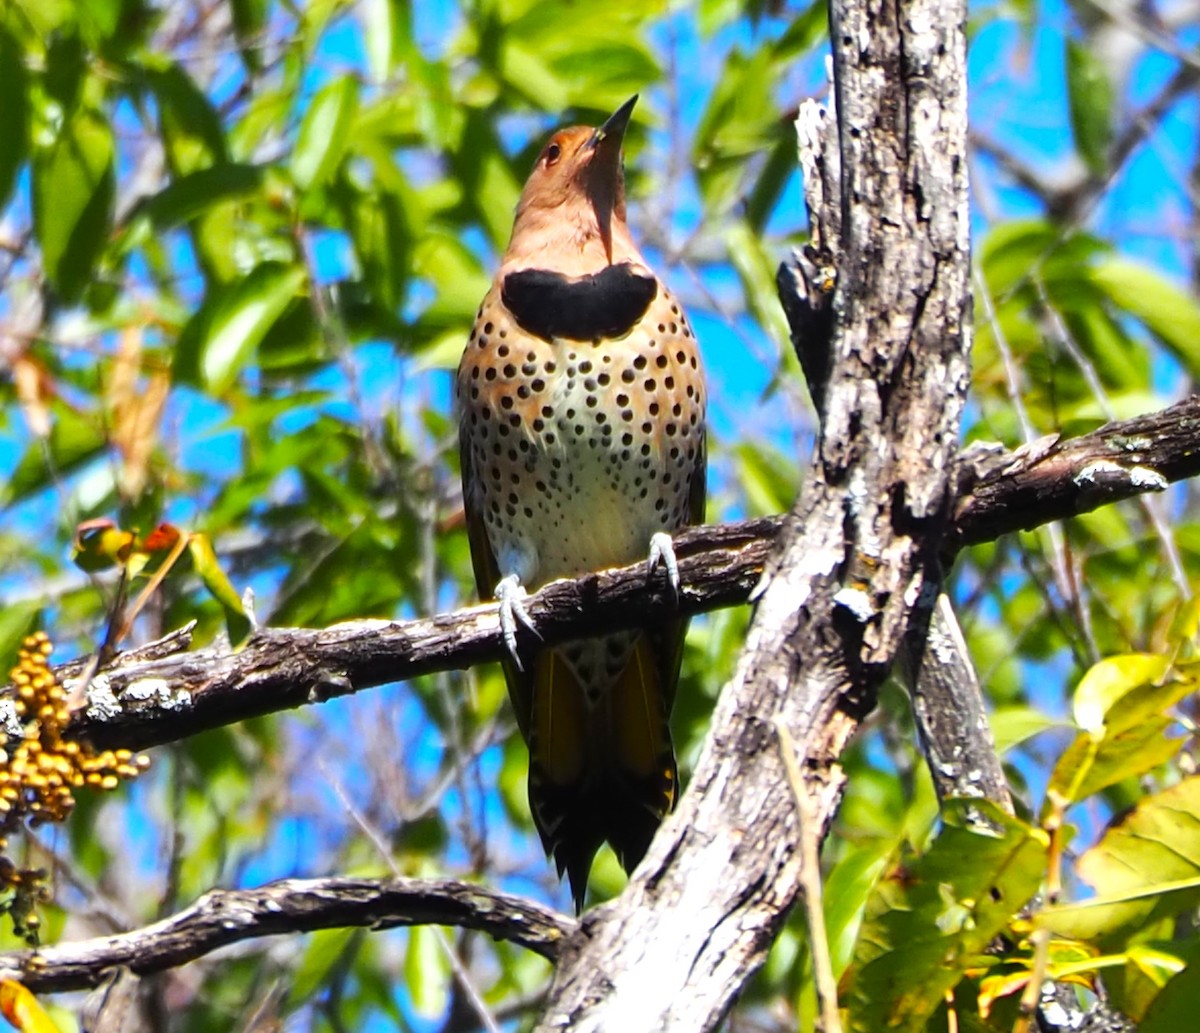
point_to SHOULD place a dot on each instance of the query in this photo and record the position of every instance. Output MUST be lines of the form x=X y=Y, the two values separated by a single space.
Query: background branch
x=222 y=917
x=158 y=693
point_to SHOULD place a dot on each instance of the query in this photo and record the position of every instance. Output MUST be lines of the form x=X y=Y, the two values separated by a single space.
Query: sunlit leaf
x=1108 y=682
x=427 y=971
x=1146 y=865
x=223 y=334
x=386 y=33
x=208 y=567
x=1147 y=970
x=324 y=132
x=185 y=197
x=932 y=916
x=17 y=620
x=1170 y=313
x=757 y=271
x=73 y=190
x=1176 y=1006
x=325 y=951
x=191 y=126
x=1090 y=764
x=846 y=892
x=14 y=113
x=1090 y=96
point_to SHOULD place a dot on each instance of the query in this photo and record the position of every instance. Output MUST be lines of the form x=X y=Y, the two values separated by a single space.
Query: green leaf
x=779 y=168
x=14 y=114
x=846 y=893
x=1176 y=1006
x=188 y=196
x=532 y=77
x=249 y=21
x=1167 y=311
x=386 y=34
x=767 y=478
x=66 y=69
x=1013 y=249
x=323 y=133
x=1013 y=725
x=1110 y=680
x=459 y=277
x=380 y=226
x=757 y=272
x=1090 y=764
x=808 y=29
x=1147 y=970
x=931 y=917
x=73 y=189
x=1090 y=96
x=740 y=121
x=427 y=972
x=1145 y=867
x=204 y=559
x=326 y=951
x=223 y=334
x=17 y=620
x=191 y=126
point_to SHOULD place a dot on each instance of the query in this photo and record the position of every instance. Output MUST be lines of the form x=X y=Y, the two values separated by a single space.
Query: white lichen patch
x=157 y=691
x=857 y=602
x=1141 y=477
x=1094 y=472
x=1144 y=477
x=1134 y=444
x=10 y=720
x=102 y=703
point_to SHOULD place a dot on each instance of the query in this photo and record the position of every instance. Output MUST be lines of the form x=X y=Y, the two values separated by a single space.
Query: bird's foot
x=662 y=553
x=510 y=595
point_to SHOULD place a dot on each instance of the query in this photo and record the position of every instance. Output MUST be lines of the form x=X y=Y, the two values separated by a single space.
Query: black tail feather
x=574 y=822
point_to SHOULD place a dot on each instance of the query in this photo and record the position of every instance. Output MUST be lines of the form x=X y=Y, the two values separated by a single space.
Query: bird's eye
x=553 y=153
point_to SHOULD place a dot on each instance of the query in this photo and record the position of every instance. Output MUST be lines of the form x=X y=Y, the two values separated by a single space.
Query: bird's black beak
x=614 y=126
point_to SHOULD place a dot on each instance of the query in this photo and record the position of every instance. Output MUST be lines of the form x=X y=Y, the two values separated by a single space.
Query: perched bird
x=581 y=404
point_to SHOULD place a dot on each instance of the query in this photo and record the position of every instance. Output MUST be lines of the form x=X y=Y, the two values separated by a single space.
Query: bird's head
x=577 y=185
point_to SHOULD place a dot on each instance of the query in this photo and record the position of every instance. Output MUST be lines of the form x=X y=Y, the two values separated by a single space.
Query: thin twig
x=810 y=884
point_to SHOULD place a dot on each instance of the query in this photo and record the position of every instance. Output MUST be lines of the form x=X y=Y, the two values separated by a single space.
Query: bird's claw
x=662 y=553
x=510 y=595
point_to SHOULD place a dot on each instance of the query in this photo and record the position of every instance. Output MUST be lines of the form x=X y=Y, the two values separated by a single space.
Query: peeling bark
x=857 y=564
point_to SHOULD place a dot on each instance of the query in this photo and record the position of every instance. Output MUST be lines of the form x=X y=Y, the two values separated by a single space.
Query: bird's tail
x=603 y=770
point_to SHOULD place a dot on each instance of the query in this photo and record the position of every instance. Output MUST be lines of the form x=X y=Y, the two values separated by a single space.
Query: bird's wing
x=487 y=575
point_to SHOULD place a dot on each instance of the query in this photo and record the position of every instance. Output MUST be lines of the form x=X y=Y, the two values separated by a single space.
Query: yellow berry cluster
x=39 y=774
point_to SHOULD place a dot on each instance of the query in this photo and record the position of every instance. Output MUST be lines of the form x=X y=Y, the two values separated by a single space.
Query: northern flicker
x=582 y=438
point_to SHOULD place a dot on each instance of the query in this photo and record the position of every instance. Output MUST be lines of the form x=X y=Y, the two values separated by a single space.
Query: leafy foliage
x=243 y=244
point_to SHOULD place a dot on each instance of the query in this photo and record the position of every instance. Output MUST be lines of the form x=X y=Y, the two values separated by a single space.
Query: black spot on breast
x=605 y=304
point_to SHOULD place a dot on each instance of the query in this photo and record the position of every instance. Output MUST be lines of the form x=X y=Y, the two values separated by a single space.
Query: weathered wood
x=159 y=693
x=222 y=917
x=948 y=706
x=857 y=563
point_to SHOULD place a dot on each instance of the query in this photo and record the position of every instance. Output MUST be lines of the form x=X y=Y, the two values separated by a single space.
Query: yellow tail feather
x=599 y=773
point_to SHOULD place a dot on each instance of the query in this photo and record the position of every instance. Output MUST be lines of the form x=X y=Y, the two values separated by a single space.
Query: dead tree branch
x=222 y=917
x=857 y=564
x=159 y=693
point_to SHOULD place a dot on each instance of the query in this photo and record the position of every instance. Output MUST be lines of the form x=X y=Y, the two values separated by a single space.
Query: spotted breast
x=582 y=440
